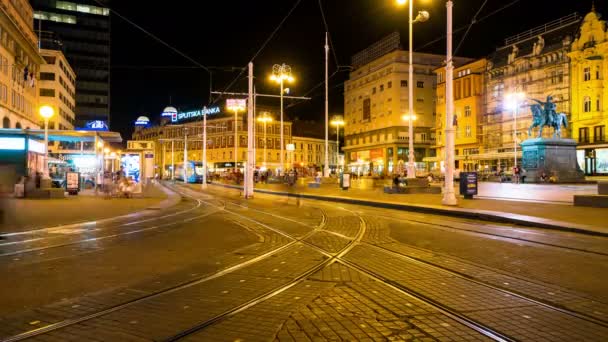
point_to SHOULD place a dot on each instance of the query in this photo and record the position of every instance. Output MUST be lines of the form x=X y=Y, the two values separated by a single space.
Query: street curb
x=173 y=198
x=484 y=215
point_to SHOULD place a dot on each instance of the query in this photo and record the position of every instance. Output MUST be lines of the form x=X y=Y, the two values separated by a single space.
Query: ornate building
x=536 y=63
x=589 y=82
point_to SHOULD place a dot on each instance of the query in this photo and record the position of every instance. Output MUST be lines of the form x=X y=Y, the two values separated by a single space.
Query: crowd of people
x=118 y=184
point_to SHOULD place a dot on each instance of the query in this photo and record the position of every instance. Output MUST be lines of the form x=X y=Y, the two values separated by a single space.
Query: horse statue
x=544 y=114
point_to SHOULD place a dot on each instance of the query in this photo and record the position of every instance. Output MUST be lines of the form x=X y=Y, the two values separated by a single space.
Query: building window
x=467 y=131
x=467 y=111
x=367 y=112
x=583 y=134
x=597 y=104
x=598 y=134
x=373 y=90
x=47 y=92
x=587 y=74
x=457 y=90
x=587 y=104
x=403 y=83
x=47 y=76
x=467 y=87
x=389 y=85
x=420 y=84
x=597 y=72
x=440 y=77
x=382 y=87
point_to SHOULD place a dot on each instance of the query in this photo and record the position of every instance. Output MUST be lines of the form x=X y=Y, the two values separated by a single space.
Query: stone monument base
x=555 y=157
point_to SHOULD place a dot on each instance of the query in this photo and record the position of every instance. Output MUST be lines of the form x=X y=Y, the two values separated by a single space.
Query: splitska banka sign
x=176 y=117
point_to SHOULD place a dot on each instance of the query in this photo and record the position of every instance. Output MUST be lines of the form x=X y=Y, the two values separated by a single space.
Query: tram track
x=330 y=258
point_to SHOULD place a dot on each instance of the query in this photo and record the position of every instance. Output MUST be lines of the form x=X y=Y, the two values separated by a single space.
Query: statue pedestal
x=555 y=157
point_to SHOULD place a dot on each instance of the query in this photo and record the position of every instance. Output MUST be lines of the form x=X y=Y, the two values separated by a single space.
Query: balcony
x=583 y=140
x=599 y=138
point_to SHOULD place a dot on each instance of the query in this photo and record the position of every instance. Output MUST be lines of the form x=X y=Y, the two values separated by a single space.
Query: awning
x=65 y=135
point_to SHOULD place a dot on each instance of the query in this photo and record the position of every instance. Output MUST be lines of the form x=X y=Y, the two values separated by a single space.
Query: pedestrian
x=523 y=175
x=396 y=181
x=543 y=177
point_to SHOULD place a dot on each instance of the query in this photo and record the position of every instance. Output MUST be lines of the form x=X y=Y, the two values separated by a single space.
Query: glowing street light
x=513 y=101
x=281 y=73
x=265 y=118
x=236 y=106
x=420 y=18
x=46 y=112
x=337 y=122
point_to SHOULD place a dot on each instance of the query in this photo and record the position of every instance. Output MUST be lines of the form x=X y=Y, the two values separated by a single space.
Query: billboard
x=94 y=125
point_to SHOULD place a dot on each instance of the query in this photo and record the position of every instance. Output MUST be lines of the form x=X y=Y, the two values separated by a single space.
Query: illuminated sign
x=195 y=113
x=18 y=144
x=94 y=125
x=142 y=121
x=35 y=146
x=236 y=105
x=169 y=111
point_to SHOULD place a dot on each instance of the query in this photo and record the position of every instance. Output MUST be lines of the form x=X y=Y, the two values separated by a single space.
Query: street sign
x=468 y=184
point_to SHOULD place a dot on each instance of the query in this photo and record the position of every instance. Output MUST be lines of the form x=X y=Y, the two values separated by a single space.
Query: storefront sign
x=176 y=117
x=376 y=154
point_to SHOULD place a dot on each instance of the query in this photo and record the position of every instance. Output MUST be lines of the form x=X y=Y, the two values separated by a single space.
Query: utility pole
x=449 y=198
x=248 y=193
x=326 y=170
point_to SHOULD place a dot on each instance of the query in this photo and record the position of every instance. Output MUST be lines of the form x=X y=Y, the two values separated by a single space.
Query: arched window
x=597 y=72
x=18 y=125
x=587 y=104
x=6 y=123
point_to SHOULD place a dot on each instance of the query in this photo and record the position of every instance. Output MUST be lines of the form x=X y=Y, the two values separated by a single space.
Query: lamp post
x=337 y=121
x=236 y=106
x=204 y=180
x=513 y=101
x=449 y=197
x=280 y=74
x=421 y=17
x=265 y=119
x=185 y=168
x=46 y=112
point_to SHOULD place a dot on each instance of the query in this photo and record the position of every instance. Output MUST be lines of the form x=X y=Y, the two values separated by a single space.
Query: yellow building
x=375 y=100
x=57 y=88
x=19 y=65
x=468 y=111
x=589 y=84
x=309 y=154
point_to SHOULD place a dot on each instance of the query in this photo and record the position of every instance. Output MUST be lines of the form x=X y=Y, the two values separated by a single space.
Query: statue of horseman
x=544 y=113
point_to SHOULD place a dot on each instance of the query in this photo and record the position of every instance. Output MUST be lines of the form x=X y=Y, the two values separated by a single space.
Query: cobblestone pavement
x=289 y=270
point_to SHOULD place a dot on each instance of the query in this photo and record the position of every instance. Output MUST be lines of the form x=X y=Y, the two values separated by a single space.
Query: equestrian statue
x=545 y=114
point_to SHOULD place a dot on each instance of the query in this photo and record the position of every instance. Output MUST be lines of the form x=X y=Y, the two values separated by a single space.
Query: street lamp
x=420 y=18
x=46 y=112
x=337 y=121
x=280 y=74
x=513 y=101
x=449 y=197
x=265 y=118
x=236 y=106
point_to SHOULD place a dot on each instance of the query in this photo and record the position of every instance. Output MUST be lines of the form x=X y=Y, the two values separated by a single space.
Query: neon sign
x=175 y=117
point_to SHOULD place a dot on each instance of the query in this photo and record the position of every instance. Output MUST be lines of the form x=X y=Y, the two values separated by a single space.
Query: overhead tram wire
x=236 y=79
x=174 y=49
x=473 y=22
x=464 y=27
x=331 y=43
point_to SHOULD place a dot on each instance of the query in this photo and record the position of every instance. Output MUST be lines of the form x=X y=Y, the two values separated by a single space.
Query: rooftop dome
x=169 y=110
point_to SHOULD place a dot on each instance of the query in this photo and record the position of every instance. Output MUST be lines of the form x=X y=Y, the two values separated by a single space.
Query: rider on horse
x=549 y=109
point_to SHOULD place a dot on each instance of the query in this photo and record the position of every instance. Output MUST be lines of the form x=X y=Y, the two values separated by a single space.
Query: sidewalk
x=563 y=216
x=28 y=214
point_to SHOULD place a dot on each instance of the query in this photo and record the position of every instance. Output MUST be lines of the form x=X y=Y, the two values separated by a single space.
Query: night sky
x=225 y=34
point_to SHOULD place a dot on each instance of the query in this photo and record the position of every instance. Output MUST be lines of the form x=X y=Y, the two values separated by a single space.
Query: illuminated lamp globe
x=47 y=112
x=169 y=111
x=142 y=121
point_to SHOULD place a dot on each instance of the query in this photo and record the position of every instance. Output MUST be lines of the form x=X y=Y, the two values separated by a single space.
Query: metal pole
x=236 y=144
x=204 y=182
x=282 y=143
x=515 y=131
x=185 y=155
x=411 y=169
x=250 y=138
x=265 y=141
x=449 y=198
x=326 y=108
x=337 y=145
x=172 y=160
x=46 y=148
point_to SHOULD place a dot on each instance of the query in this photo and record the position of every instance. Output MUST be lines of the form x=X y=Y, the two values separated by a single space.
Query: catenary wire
x=331 y=43
x=174 y=49
x=473 y=22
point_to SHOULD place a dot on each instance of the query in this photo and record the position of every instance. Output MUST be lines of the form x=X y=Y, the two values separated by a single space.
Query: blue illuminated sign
x=176 y=117
x=142 y=121
x=95 y=125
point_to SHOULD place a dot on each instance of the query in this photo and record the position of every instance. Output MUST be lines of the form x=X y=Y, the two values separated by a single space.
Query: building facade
x=375 y=101
x=536 y=63
x=469 y=107
x=589 y=83
x=82 y=29
x=57 y=88
x=19 y=65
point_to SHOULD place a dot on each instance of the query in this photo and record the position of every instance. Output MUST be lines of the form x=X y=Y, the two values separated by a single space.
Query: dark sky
x=228 y=33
